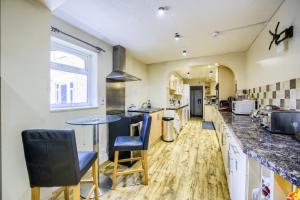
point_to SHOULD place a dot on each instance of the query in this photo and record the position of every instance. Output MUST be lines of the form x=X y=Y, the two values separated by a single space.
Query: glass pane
x=67 y=88
x=65 y=58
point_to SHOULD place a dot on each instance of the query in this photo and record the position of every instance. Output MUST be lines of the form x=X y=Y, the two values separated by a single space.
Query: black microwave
x=283 y=122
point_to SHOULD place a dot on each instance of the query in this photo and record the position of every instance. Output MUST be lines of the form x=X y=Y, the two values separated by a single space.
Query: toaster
x=282 y=122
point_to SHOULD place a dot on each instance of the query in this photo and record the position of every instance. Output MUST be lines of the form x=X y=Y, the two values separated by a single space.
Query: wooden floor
x=189 y=168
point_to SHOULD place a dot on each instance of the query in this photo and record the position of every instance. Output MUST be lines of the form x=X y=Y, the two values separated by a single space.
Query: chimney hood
x=119 y=63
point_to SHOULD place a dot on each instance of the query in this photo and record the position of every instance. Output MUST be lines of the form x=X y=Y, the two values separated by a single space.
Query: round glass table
x=105 y=182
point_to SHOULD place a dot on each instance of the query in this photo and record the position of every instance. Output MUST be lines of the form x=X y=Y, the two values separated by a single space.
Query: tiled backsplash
x=284 y=94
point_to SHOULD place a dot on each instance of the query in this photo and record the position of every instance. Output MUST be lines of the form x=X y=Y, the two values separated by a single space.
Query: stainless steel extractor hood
x=119 y=63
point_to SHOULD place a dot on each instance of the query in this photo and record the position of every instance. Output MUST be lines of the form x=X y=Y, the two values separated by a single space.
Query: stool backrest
x=51 y=157
x=145 y=132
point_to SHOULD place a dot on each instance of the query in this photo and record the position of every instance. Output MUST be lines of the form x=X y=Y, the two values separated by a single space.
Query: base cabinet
x=181 y=117
x=208 y=113
x=156 y=127
x=246 y=177
x=237 y=171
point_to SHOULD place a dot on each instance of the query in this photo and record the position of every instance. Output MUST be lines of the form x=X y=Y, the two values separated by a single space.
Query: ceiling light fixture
x=217 y=64
x=215 y=34
x=184 y=52
x=161 y=10
x=177 y=36
x=209 y=66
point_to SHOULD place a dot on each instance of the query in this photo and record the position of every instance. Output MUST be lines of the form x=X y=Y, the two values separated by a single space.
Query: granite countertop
x=279 y=153
x=177 y=107
x=145 y=110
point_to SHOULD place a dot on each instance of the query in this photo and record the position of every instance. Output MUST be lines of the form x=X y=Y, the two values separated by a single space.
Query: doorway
x=196 y=101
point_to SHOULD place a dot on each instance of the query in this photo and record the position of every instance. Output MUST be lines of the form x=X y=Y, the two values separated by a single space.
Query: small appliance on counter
x=285 y=122
x=263 y=113
x=297 y=136
x=149 y=104
x=132 y=107
x=224 y=105
x=244 y=107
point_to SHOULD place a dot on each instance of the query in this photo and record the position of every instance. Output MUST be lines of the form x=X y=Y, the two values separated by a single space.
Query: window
x=72 y=84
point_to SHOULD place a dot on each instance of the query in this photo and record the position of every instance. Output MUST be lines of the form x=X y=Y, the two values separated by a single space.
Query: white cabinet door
x=208 y=113
x=225 y=148
x=237 y=172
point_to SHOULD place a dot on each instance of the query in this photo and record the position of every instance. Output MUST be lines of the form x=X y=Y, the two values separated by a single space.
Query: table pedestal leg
x=105 y=182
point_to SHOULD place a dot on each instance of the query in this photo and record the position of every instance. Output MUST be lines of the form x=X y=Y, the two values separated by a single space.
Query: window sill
x=72 y=108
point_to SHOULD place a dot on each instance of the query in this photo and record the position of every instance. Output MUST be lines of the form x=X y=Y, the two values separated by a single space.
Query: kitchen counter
x=279 y=153
x=145 y=110
x=177 y=107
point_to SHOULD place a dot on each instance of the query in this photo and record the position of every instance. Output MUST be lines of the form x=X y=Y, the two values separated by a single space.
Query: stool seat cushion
x=128 y=143
x=86 y=160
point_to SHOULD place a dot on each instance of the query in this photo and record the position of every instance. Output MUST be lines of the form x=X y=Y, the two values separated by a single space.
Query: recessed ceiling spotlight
x=184 y=52
x=177 y=36
x=162 y=10
x=217 y=64
x=215 y=34
x=209 y=66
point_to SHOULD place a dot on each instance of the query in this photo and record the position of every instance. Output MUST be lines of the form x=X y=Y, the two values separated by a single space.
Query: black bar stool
x=133 y=143
x=53 y=161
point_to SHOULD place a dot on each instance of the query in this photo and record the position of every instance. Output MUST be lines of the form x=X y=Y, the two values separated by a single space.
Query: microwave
x=243 y=107
x=282 y=122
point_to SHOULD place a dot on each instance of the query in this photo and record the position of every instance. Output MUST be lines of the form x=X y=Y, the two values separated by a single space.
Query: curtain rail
x=56 y=30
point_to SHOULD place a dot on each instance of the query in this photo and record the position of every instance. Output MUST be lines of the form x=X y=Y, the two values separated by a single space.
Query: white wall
x=158 y=73
x=226 y=83
x=267 y=67
x=136 y=91
x=25 y=45
x=195 y=81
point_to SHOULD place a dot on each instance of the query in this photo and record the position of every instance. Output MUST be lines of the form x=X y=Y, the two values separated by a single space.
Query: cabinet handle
x=228 y=162
x=230 y=166
x=236 y=165
x=235 y=150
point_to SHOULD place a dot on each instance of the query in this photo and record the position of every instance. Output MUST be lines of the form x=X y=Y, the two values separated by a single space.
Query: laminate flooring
x=191 y=168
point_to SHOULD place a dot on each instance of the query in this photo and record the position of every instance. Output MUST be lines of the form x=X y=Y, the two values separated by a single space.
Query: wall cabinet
x=156 y=127
x=175 y=85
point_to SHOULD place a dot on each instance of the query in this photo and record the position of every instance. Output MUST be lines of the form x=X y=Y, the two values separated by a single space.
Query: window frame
x=90 y=60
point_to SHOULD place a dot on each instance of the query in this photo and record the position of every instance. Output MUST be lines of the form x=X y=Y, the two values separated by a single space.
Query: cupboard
x=156 y=127
x=247 y=179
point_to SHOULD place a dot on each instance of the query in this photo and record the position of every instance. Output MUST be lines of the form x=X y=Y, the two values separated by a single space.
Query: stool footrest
x=129 y=159
x=129 y=172
x=86 y=181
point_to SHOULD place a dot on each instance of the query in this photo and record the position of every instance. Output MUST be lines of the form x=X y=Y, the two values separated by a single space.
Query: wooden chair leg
x=145 y=165
x=66 y=193
x=76 y=192
x=35 y=193
x=116 y=160
x=95 y=178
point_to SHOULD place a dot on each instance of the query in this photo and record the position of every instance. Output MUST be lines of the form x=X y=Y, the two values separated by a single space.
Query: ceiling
x=198 y=72
x=135 y=25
